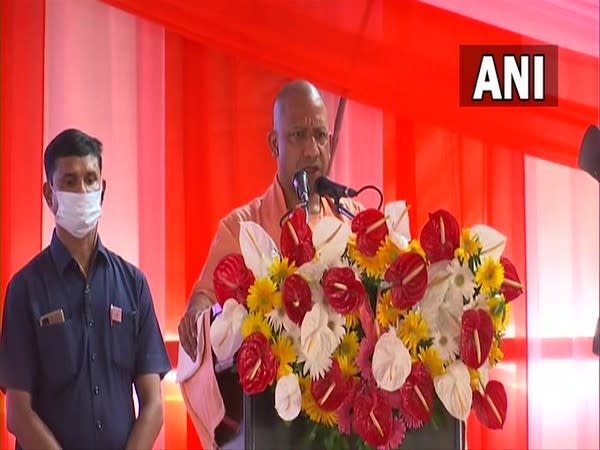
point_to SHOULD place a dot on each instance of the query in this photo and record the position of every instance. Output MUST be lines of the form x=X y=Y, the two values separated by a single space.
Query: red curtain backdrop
x=21 y=137
x=397 y=56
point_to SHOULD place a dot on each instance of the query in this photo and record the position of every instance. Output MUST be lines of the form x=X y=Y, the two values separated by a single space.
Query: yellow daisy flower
x=352 y=321
x=348 y=366
x=312 y=408
x=475 y=379
x=431 y=358
x=253 y=323
x=412 y=330
x=469 y=244
x=348 y=346
x=415 y=247
x=370 y=265
x=499 y=312
x=284 y=351
x=263 y=296
x=280 y=269
x=490 y=276
x=496 y=354
x=387 y=254
x=460 y=254
x=385 y=312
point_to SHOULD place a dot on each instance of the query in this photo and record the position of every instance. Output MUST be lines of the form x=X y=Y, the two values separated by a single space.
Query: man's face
x=302 y=140
x=78 y=174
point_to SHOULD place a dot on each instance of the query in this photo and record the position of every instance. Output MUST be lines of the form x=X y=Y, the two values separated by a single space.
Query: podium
x=264 y=430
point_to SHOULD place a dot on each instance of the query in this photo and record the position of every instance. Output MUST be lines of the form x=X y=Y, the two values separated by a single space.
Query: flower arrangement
x=362 y=330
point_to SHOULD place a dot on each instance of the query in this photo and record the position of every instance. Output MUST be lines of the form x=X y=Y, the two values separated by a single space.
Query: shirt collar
x=63 y=258
x=277 y=198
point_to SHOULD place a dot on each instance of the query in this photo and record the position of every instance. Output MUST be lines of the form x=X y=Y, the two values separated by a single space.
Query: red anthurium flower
x=296 y=298
x=490 y=406
x=296 y=238
x=256 y=364
x=330 y=391
x=440 y=236
x=476 y=337
x=372 y=418
x=511 y=287
x=371 y=229
x=408 y=276
x=417 y=394
x=343 y=291
x=232 y=279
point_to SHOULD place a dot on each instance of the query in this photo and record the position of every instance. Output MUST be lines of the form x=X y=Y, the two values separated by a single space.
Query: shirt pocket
x=123 y=343
x=57 y=344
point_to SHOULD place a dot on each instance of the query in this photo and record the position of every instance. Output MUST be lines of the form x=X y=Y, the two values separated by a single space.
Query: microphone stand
x=341 y=209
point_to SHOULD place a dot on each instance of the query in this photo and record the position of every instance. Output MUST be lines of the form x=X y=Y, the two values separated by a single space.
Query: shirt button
x=96 y=390
x=99 y=424
x=93 y=357
x=91 y=323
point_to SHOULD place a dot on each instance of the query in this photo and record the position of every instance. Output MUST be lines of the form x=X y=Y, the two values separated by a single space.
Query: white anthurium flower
x=312 y=272
x=336 y=324
x=446 y=342
x=391 y=363
x=330 y=237
x=454 y=390
x=317 y=341
x=226 y=330
x=492 y=241
x=450 y=313
x=291 y=329
x=462 y=281
x=257 y=247
x=439 y=282
x=396 y=216
x=288 y=398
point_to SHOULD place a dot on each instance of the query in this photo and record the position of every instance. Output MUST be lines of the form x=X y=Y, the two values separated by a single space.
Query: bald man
x=300 y=139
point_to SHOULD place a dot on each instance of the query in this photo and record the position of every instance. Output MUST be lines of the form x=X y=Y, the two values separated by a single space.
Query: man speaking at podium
x=300 y=140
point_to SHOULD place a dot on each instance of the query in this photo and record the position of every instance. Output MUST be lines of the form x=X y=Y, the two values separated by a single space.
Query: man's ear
x=273 y=143
x=103 y=191
x=47 y=192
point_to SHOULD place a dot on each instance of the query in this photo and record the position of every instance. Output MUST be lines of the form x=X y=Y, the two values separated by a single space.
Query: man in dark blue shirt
x=79 y=325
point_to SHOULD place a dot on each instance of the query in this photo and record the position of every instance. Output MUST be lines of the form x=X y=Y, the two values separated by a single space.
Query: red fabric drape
x=399 y=56
x=21 y=137
x=218 y=115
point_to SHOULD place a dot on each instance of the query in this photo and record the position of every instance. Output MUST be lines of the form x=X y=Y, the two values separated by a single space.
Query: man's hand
x=25 y=424
x=188 y=330
x=150 y=419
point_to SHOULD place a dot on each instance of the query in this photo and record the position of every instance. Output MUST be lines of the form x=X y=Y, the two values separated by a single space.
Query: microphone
x=300 y=182
x=327 y=188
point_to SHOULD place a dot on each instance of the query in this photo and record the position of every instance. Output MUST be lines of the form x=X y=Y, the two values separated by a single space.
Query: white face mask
x=78 y=213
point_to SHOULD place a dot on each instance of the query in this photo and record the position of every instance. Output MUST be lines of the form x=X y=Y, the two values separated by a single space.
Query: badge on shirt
x=52 y=318
x=116 y=314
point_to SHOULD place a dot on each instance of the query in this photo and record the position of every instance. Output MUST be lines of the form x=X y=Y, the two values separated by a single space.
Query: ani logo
x=516 y=75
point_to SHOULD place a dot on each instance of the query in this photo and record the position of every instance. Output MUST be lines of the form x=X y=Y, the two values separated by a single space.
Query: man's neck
x=314 y=203
x=81 y=250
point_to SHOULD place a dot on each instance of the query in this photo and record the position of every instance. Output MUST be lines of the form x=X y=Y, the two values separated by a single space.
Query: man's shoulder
x=124 y=266
x=246 y=212
x=33 y=268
